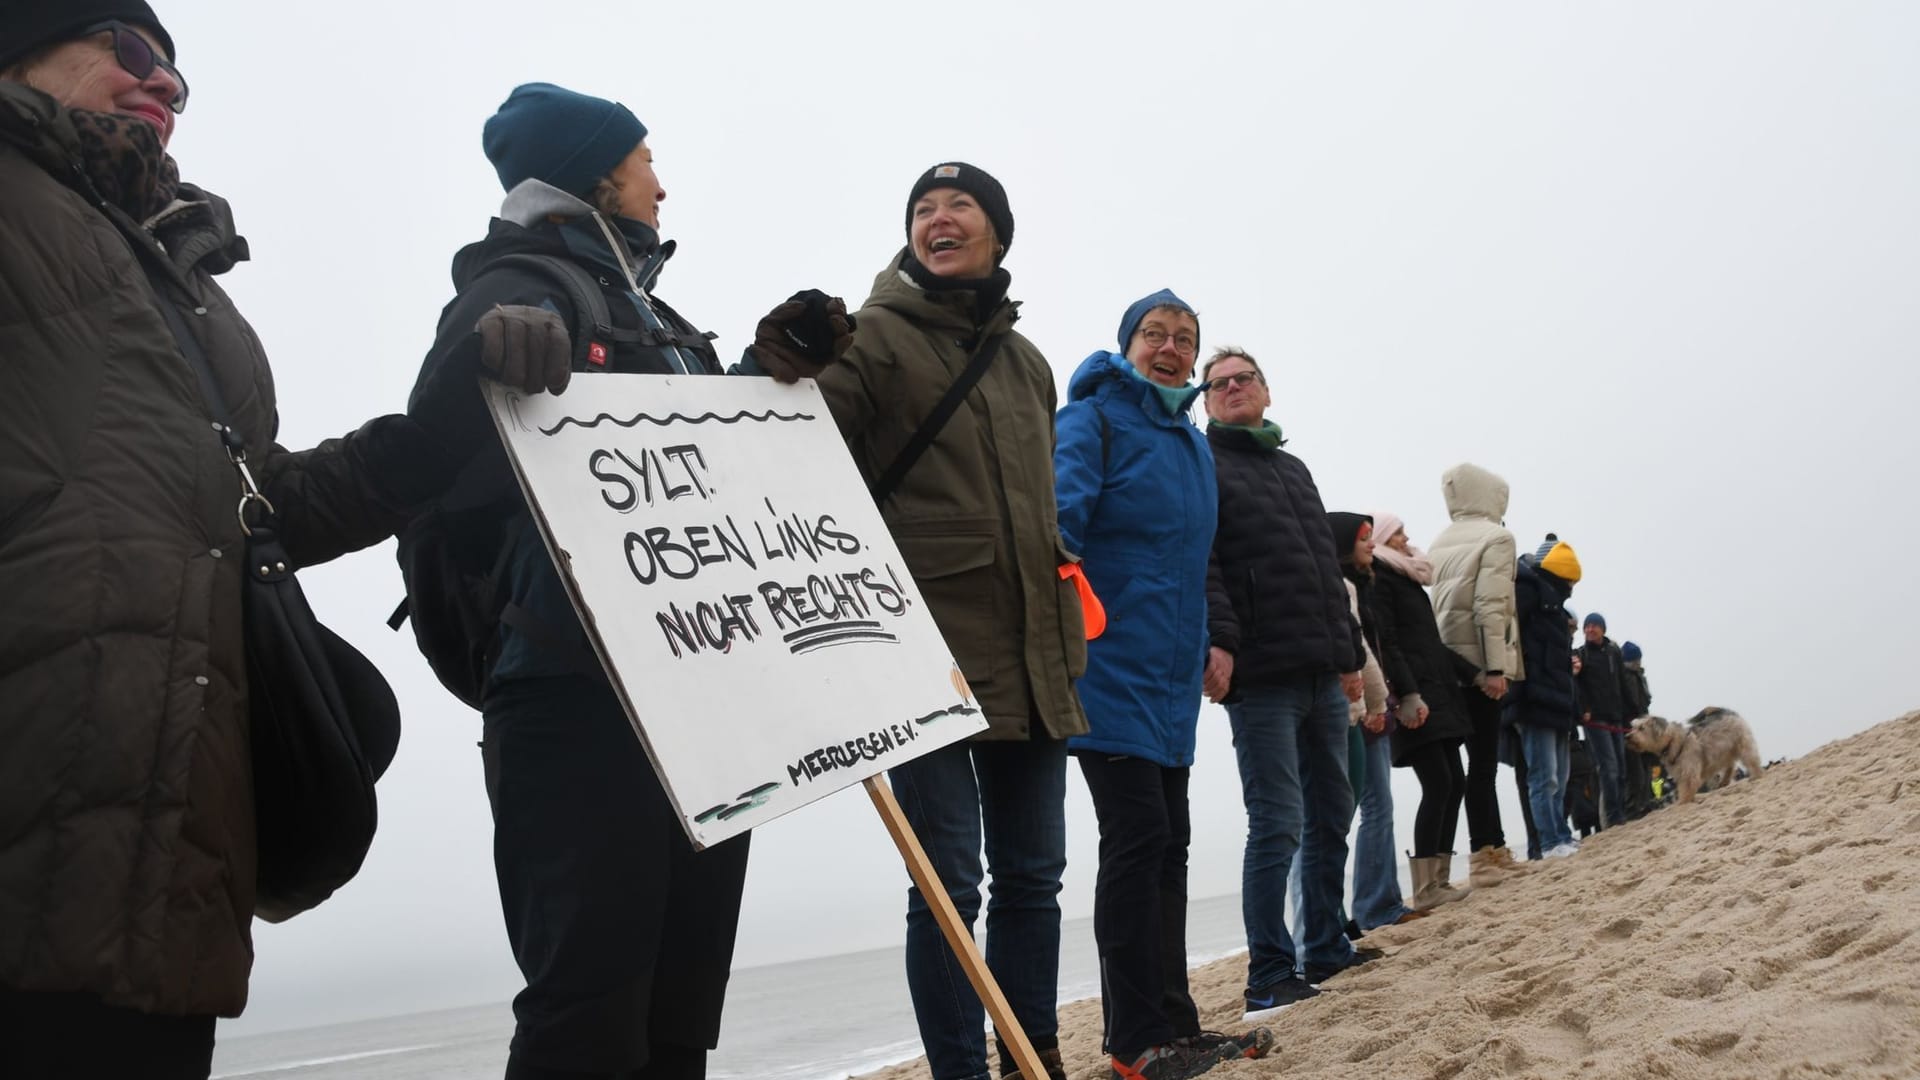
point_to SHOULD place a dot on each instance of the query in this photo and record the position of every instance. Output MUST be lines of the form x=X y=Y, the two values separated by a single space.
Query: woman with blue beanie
x=624 y=932
x=1137 y=499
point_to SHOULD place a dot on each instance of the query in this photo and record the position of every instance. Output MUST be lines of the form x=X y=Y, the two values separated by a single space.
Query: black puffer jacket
x=1417 y=661
x=1275 y=598
x=1548 y=697
x=1606 y=689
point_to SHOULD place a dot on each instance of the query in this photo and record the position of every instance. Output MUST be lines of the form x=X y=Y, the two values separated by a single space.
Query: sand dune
x=1768 y=930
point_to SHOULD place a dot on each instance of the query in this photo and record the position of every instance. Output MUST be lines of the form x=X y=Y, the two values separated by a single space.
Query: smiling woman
x=127 y=880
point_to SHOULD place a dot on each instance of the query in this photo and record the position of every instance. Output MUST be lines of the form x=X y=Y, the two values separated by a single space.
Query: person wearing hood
x=975 y=518
x=1473 y=573
x=1284 y=655
x=623 y=931
x=1606 y=695
x=1638 y=796
x=1546 y=705
x=1135 y=486
x=1426 y=679
x=1377 y=900
x=128 y=872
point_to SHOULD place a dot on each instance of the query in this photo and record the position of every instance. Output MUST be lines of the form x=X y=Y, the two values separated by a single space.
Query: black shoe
x=1049 y=1060
x=1270 y=999
x=1250 y=1045
x=1174 y=1061
x=1354 y=933
x=1319 y=973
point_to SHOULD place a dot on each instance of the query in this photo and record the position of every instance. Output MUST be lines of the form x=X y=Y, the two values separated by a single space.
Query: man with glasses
x=1285 y=657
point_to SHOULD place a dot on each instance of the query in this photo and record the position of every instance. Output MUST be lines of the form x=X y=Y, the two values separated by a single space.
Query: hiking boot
x=1250 y=1045
x=1493 y=865
x=1049 y=1060
x=1269 y=1000
x=1174 y=1061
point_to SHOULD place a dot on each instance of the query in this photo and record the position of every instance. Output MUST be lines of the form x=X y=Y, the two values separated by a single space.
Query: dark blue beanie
x=546 y=132
x=1164 y=298
x=1629 y=652
x=1594 y=618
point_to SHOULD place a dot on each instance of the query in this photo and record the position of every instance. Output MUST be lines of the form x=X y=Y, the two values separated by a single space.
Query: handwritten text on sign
x=744 y=595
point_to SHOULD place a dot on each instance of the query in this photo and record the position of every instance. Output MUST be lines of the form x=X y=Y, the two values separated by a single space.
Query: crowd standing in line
x=1224 y=575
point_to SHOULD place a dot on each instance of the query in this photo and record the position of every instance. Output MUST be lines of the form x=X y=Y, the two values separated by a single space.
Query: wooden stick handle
x=964 y=947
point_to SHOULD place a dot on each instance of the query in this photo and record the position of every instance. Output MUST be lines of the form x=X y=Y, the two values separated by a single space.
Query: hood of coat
x=1474 y=493
x=1112 y=374
x=578 y=240
x=942 y=309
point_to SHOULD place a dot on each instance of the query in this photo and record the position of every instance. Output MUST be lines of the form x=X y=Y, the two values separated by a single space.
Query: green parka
x=975 y=517
x=126 y=795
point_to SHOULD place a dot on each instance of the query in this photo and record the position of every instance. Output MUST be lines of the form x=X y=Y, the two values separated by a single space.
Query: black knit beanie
x=976 y=182
x=27 y=26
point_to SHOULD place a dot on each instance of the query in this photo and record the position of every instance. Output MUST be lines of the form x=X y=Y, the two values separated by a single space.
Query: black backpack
x=453 y=556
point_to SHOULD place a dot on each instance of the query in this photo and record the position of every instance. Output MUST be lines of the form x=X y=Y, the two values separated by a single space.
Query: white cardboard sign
x=743 y=593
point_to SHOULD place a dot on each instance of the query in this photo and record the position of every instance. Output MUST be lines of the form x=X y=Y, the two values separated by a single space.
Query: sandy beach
x=1768 y=930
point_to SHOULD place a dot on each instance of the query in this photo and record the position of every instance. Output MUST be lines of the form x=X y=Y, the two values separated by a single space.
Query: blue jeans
x=1610 y=762
x=1291 y=743
x=1018 y=792
x=1548 y=762
x=1376 y=868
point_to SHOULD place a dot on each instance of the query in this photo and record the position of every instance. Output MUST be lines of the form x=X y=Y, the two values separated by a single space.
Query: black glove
x=799 y=338
x=525 y=347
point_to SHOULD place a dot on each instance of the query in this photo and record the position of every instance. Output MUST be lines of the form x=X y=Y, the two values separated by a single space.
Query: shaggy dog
x=1704 y=748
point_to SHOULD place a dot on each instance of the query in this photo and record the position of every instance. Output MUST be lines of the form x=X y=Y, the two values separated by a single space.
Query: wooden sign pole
x=964 y=947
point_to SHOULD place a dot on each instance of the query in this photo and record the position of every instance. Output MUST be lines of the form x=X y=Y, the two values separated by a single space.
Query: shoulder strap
x=591 y=322
x=936 y=420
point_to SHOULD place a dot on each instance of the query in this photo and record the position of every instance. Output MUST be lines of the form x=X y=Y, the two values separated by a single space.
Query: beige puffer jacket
x=1473 y=566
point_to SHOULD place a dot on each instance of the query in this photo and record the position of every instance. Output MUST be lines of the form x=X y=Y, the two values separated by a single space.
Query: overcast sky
x=1654 y=263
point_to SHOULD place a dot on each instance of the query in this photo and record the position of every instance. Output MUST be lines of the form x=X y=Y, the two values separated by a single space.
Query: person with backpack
x=132 y=393
x=1135 y=487
x=624 y=932
x=948 y=411
x=1606 y=696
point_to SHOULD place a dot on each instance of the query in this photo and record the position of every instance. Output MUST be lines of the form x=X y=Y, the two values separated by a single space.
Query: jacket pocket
x=955 y=574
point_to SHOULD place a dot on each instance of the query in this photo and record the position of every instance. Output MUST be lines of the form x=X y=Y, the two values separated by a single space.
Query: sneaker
x=1270 y=999
x=1253 y=1044
x=1316 y=974
x=1173 y=1061
x=1561 y=851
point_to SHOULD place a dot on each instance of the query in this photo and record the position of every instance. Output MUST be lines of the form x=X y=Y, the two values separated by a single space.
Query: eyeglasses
x=1238 y=378
x=1182 y=343
x=138 y=59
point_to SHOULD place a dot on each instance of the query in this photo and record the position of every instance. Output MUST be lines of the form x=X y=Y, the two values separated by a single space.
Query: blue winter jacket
x=1138 y=503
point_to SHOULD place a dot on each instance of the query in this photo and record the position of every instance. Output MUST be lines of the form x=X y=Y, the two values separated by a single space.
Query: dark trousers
x=1140 y=902
x=1443 y=784
x=623 y=931
x=1483 y=768
x=76 y=1037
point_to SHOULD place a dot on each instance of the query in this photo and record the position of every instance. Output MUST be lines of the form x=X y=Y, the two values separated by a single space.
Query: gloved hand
x=525 y=347
x=1412 y=712
x=800 y=337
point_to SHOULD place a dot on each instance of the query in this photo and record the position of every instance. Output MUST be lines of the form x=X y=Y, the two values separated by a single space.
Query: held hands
x=1495 y=687
x=1353 y=685
x=1412 y=712
x=800 y=337
x=1217 y=678
x=1376 y=723
x=525 y=347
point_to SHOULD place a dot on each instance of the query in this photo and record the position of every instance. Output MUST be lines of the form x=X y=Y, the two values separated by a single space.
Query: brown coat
x=126 y=795
x=975 y=518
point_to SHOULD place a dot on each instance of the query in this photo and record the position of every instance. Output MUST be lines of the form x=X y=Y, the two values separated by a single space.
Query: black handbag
x=324 y=723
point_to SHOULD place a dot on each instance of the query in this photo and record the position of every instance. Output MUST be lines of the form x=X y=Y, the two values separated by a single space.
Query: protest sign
x=745 y=598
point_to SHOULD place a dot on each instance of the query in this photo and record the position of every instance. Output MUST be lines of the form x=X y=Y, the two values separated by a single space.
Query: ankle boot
x=1049 y=1058
x=1430 y=883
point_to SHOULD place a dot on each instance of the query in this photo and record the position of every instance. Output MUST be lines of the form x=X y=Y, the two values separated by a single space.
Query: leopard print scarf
x=123 y=157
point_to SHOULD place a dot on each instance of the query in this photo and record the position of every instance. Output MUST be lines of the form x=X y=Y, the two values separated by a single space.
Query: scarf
x=123 y=158
x=1266 y=436
x=1413 y=563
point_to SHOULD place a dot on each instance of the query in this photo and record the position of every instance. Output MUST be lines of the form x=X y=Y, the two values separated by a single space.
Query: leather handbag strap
x=936 y=420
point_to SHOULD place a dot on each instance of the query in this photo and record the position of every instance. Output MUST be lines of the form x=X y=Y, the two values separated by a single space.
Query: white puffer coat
x=1473 y=567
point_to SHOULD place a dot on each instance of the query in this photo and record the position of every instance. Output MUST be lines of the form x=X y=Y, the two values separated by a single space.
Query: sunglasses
x=138 y=58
